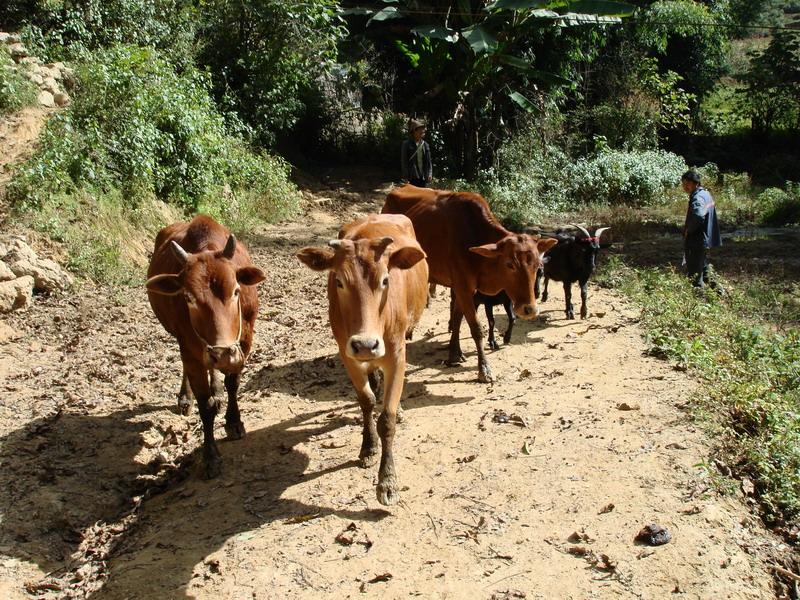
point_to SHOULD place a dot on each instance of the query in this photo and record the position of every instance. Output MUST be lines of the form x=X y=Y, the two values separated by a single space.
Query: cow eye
x=339 y=283
x=236 y=293
x=385 y=281
x=510 y=265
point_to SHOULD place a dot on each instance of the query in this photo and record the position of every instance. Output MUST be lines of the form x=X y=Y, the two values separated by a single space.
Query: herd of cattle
x=202 y=288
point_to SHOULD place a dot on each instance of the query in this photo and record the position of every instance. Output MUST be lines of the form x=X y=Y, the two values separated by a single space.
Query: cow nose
x=365 y=347
x=224 y=356
x=527 y=311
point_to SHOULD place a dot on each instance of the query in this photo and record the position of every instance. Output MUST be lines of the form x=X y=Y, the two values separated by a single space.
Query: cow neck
x=238 y=336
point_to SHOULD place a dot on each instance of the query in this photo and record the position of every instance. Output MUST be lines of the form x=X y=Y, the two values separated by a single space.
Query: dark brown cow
x=201 y=285
x=377 y=289
x=469 y=251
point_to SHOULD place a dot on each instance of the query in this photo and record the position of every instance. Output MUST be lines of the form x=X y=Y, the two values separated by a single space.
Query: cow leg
x=509 y=306
x=452 y=306
x=233 y=420
x=584 y=294
x=366 y=399
x=207 y=405
x=215 y=379
x=185 y=396
x=456 y=356
x=544 y=294
x=490 y=320
x=387 y=489
x=568 y=300
x=465 y=301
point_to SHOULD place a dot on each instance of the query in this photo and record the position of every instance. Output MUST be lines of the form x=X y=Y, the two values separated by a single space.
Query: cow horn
x=230 y=247
x=335 y=243
x=586 y=233
x=384 y=243
x=600 y=231
x=179 y=252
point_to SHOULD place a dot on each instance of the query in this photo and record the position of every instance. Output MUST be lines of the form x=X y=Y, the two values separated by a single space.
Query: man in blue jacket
x=701 y=230
x=415 y=156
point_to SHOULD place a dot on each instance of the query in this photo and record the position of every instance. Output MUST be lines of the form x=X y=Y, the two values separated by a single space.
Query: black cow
x=572 y=259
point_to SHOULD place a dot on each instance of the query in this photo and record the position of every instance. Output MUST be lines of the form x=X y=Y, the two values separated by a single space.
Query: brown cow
x=469 y=251
x=377 y=289
x=201 y=285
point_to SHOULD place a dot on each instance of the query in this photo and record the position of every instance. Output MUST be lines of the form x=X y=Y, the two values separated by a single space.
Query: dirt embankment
x=533 y=487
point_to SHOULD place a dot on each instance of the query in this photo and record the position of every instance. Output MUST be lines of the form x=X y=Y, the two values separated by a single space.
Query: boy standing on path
x=415 y=156
x=701 y=230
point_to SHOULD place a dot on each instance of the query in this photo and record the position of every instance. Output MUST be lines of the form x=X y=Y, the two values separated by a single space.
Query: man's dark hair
x=692 y=176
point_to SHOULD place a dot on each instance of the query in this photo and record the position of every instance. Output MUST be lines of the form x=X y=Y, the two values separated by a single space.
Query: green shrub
x=16 y=91
x=137 y=125
x=637 y=178
x=780 y=207
x=61 y=29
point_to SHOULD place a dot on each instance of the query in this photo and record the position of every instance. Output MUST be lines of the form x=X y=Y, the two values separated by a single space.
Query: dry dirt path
x=98 y=489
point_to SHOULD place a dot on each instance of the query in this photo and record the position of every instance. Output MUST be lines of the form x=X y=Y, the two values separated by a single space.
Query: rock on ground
x=16 y=294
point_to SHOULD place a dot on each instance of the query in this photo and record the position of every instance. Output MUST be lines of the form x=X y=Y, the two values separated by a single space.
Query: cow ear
x=487 y=250
x=250 y=275
x=545 y=244
x=405 y=257
x=318 y=259
x=166 y=285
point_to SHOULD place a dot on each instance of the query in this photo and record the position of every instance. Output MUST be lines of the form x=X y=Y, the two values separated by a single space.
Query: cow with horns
x=572 y=259
x=201 y=286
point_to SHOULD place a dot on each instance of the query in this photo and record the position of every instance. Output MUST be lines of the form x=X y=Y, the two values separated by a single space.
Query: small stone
x=16 y=294
x=17 y=51
x=46 y=99
x=654 y=535
x=61 y=99
x=6 y=274
x=35 y=78
x=8 y=333
x=51 y=85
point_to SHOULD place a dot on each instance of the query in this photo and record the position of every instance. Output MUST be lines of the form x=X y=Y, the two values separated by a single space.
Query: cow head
x=512 y=266
x=587 y=246
x=361 y=275
x=210 y=285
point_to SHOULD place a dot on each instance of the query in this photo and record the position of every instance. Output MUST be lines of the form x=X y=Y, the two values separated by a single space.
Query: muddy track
x=507 y=490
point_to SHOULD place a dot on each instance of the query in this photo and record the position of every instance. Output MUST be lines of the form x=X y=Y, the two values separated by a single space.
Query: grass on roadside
x=748 y=363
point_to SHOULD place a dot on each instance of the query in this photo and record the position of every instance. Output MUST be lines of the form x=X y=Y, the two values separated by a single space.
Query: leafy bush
x=614 y=176
x=137 y=125
x=61 y=29
x=780 y=207
x=15 y=89
x=262 y=53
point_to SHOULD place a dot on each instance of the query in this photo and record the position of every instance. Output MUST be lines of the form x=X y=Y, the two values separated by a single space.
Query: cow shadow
x=69 y=474
x=323 y=379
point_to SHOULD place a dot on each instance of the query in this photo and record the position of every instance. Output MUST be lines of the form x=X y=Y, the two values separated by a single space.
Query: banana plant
x=476 y=61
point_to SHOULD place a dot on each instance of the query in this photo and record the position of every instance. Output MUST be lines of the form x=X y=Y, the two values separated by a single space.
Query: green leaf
x=572 y=19
x=602 y=7
x=384 y=14
x=518 y=4
x=436 y=32
x=542 y=76
x=523 y=102
x=479 y=39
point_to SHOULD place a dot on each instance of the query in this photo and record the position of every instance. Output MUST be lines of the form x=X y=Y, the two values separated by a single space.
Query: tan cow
x=377 y=289
x=202 y=289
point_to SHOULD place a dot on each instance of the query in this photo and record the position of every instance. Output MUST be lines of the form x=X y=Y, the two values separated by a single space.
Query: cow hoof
x=387 y=493
x=485 y=375
x=212 y=468
x=365 y=461
x=235 y=431
x=184 y=407
x=544 y=298
x=456 y=359
x=506 y=340
x=571 y=316
x=493 y=345
x=584 y=314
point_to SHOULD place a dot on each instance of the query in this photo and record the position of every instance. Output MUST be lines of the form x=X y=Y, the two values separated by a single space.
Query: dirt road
x=100 y=495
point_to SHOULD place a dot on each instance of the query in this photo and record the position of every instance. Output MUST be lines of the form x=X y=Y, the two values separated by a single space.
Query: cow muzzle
x=365 y=347
x=526 y=311
x=226 y=358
